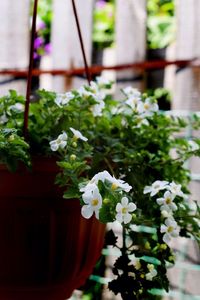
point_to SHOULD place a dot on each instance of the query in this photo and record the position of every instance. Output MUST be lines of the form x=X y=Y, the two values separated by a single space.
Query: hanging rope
x=87 y=71
x=30 y=70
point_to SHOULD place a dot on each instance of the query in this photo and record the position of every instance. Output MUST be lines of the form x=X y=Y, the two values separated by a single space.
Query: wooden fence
x=129 y=53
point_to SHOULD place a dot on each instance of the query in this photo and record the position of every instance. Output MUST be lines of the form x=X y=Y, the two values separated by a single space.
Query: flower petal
x=86 y=211
x=131 y=207
x=127 y=218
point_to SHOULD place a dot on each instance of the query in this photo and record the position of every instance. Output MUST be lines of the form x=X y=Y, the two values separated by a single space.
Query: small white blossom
x=83 y=92
x=141 y=121
x=94 y=88
x=133 y=101
x=3 y=119
x=147 y=108
x=102 y=176
x=135 y=261
x=93 y=200
x=123 y=210
x=63 y=99
x=118 y=183
x=155 y=187
x=78 y=134
x=166 y=214
x=60 y=142
x=96 y=109
x=166 y=202
x=152 y=272
x=170 y=229
x=115 y=183
x=176 y=189
x=193 y=146
x=129 y=92
x=102 y=81
x=17 y=107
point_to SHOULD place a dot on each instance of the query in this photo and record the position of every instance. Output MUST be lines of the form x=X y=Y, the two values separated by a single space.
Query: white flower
x=102 y=81
x=155 y=187
x=102 y=176
x=96 y=109
x=3 y=119
x=147 y=108
x=60 y=142
x=78 y=134
x=83 y=92
x=133 y=101
x=152 y=272
x=63 y=99
x=141 y=121
x=115 y=183
x=137 y=264
x=170 y=229
x=175 y=189
x=94 y=88
x=93 y=201
x=166 y=202
x=17 y=107
x=123 y=210
x=166 y=214
x=193 y=146
x=118 y=183
x=88 y=187
x=129 y=92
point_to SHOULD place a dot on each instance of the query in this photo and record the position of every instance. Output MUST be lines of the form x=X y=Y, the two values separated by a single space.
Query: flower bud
x=134 y=216
x=163 y=246
x=106 y=201
x=11 y=138
x=147 y=246
x=74 y=144
x=72 y=157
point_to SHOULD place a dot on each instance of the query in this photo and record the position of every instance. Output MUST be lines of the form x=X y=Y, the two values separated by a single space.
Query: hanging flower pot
x=47 y=248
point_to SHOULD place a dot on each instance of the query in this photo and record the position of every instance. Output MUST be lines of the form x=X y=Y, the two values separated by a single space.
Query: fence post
x=66 y=50
x=187 y=88
x=130 y=39
x=186 y=97
x=14 y=41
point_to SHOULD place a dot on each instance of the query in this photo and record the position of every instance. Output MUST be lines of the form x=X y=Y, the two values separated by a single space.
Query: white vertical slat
x=14 y=40
x=187 y=97
x=66 y=51
x=130 y=36
x=187 y=47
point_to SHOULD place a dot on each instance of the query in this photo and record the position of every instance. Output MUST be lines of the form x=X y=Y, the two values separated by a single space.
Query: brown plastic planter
x=47 y=249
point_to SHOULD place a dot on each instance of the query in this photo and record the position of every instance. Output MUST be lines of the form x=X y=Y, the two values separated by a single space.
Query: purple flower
x=39 y=42
x=41 y=25
x=100 y=4
x=47 y=48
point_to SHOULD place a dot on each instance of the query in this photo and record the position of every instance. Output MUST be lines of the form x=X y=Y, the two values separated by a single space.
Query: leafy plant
x=160 y=23
x=125 y=161
x=103 y=24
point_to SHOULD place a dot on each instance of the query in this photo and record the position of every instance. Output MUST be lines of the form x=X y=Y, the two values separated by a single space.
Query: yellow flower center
x=114 y=186
x=170 y=229
x=168 y=200
x=146 y=106
x=124 y=210
x=94 y=202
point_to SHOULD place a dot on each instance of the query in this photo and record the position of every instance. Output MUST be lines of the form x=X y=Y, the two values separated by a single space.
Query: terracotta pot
x=47 y=249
